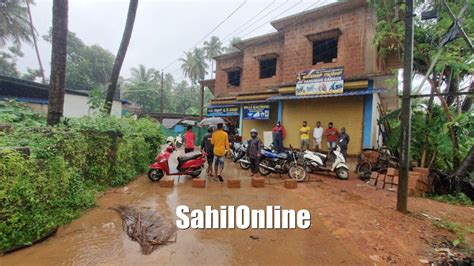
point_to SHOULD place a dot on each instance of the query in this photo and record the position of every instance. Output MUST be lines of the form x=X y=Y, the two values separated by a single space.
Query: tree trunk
x=34 y=42
x=58 y=61
x=452 y=134
x=467 y=165
x=127 y=35
x=429 y=114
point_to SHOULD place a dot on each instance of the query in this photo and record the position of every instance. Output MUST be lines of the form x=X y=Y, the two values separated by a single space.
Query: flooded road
x=97 y=237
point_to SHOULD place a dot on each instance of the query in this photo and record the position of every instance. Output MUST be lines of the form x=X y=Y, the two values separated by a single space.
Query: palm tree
x=142 y=75
x=212 y=49
x=194 y=65
x=14 y=25
x=127 y=35
x=230 y=48
x=58 y=61
x=33 y=35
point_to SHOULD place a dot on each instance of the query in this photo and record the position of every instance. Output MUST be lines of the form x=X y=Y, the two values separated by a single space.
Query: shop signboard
x=223 y=111
x=320 y=81
x=256 y=112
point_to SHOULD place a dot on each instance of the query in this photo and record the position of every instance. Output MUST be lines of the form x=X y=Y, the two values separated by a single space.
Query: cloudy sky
x=163 y=28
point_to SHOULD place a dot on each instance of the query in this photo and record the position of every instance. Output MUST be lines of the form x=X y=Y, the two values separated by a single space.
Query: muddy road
x=97 y=237
x=352 y=223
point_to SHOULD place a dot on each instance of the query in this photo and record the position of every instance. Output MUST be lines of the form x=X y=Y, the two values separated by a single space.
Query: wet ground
x=351 y=224
x=97 y=236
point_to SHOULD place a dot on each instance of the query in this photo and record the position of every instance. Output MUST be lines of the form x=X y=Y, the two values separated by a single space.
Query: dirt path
x=97 y=236
x=351 y=224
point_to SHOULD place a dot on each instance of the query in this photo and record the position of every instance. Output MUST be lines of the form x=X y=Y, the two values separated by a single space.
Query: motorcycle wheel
x=263 y=171
x=342 y=173
x=155 y=175
x=298 y=172
x=363 y=167
x=195 y=173
x=245 y=165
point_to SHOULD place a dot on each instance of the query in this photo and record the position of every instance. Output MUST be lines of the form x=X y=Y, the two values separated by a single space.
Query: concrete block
x=392 y=171
x=374 y=175
x=424 y=172
x=233 y=183
x=381 y=182
x=199 y=183
x=291 y=183
x=166 y=182
x=373 y=181
x=395 y=180
x=258 y=182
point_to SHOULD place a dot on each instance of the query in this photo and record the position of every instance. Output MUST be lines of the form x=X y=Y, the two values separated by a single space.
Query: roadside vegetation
x=442 y=136
x=67 y=165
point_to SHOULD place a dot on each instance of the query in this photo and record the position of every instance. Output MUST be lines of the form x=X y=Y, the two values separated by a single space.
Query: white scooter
x=178 y=142
x=316 y=161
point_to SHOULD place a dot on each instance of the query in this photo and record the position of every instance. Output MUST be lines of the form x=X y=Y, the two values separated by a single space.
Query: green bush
x=68 y=164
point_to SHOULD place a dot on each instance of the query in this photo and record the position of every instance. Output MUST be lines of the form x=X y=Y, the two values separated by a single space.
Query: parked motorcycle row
x=296 y=164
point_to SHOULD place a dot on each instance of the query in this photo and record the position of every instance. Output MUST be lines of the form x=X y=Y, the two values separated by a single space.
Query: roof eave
x=318 y=12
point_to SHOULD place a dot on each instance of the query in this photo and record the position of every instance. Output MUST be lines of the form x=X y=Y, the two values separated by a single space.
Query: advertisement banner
x=321 y=81
x=223 y=111
x=256 y=112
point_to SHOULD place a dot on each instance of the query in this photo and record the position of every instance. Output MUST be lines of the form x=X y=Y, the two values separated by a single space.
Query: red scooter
x=191 y=164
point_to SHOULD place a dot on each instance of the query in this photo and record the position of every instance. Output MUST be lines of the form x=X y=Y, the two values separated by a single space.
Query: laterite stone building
x=328 y=54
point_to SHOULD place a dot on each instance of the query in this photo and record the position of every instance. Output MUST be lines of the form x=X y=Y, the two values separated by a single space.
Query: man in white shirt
x=317 y=136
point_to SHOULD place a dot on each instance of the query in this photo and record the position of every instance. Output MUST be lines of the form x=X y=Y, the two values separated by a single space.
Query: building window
x=324 y=50
x=233 y=78
x=268 y=68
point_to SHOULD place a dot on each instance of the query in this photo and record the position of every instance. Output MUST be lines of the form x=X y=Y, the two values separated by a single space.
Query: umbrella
x=188 y=122
x=211 y=121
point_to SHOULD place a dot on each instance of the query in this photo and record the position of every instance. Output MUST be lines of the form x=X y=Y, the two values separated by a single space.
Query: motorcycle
x=281 y=163
x=188 y=164
x=178 y=142
x=239 y=154
x=315 y=161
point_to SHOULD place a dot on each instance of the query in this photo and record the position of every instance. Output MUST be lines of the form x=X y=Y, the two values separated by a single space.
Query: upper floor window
x=324 y=50
x=324 y=45
x=233 y=78
x=268 y=68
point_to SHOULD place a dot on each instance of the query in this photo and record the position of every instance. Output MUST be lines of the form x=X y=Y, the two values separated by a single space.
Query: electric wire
x=243 y=25
x=210 y=32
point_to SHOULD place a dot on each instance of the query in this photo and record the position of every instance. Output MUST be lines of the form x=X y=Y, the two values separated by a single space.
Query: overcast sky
x=163 y=28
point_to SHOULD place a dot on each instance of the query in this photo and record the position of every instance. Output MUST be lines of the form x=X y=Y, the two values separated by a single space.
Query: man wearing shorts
x=220 y=141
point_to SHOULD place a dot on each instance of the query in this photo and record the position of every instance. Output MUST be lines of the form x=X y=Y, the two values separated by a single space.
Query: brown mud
x=351 y=224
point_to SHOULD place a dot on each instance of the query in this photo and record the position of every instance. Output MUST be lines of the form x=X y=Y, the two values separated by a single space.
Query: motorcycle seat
x=187 y=157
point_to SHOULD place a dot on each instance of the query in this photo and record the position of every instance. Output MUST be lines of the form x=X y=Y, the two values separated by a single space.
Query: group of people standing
x=216 y=144
x=333 y=137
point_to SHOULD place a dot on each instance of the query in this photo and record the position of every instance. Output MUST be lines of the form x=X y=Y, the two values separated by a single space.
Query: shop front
x=261 y=116
x=318 y=95
x=323 y=95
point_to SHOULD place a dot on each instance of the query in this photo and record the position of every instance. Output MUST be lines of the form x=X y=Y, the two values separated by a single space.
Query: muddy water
x=97 y=236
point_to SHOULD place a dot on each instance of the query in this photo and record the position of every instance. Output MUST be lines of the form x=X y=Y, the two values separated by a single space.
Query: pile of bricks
x=419 y=182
